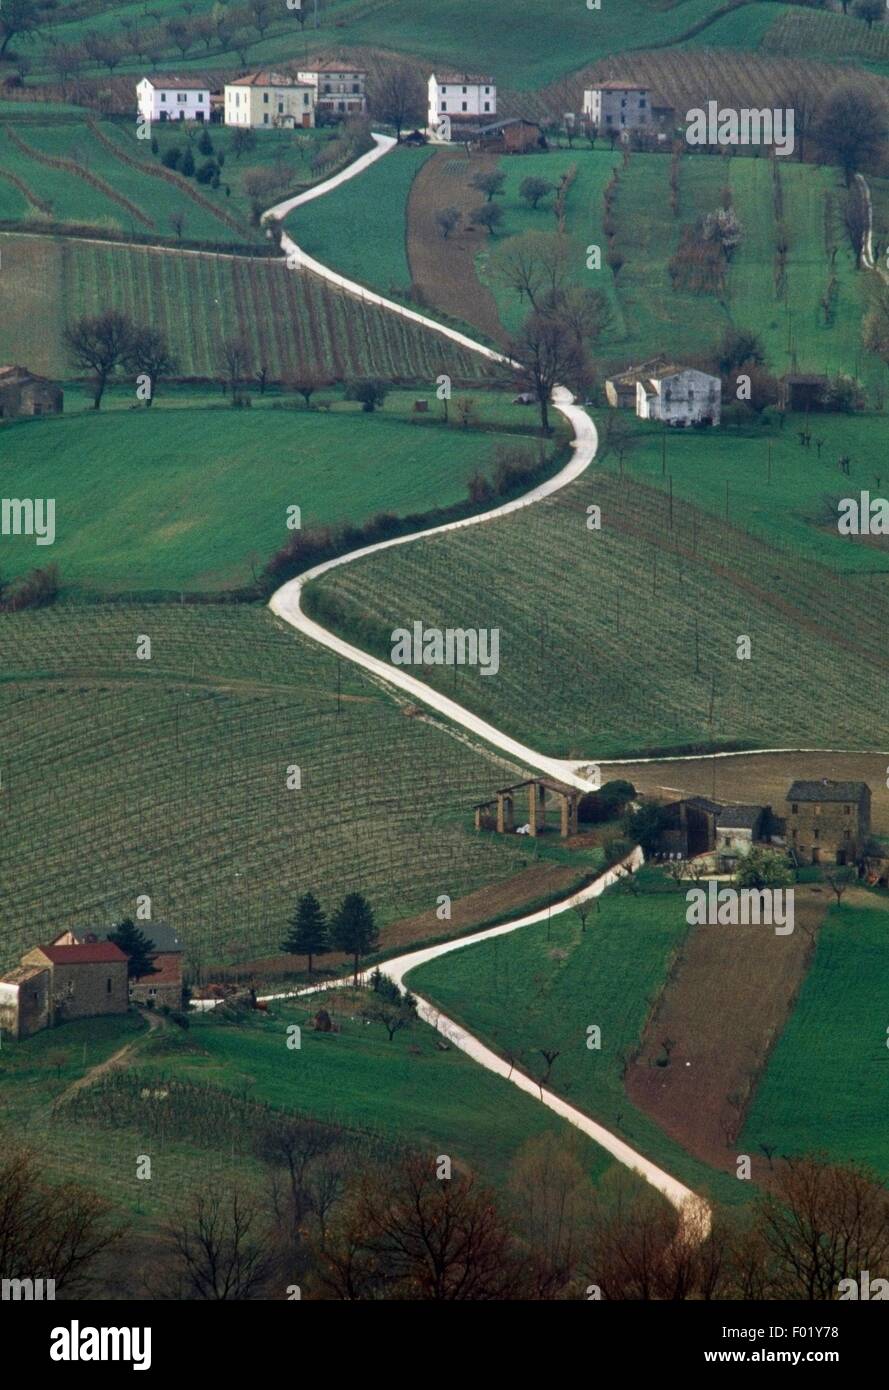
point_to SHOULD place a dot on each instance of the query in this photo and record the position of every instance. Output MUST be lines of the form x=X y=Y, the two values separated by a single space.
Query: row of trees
x=104 y=343
x=357 y=1227
x=351 y=928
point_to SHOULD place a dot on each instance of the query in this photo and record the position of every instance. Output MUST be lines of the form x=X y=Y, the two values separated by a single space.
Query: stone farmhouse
x=827 y=822
x=57 y=983
x=624 y=107
x=23 y=394
x=340 y=90
x=460 y=97
x=679 y=396
x=274 y=100
x=171 y=98
x=161 y=989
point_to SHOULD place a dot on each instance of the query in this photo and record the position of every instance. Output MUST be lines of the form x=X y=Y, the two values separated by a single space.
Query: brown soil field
x=723 y=1007
x=445 y=270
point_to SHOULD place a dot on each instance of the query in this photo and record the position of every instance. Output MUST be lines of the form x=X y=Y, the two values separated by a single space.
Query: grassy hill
x=220 y=1083
x=124 y=484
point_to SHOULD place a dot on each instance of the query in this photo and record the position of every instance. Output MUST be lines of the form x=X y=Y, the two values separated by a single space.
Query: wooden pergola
x=537 y=788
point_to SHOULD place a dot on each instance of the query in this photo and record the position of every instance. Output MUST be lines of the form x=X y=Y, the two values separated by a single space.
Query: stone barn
x=24 y=1000
x=23 y=394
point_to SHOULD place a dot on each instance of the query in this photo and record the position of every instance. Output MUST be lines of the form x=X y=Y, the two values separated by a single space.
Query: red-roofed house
x=84 y=980
x=162 y=988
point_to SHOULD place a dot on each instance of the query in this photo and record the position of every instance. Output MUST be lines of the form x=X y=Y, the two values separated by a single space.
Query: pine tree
x=308 y=935
x=353 y=928
x=136 y=946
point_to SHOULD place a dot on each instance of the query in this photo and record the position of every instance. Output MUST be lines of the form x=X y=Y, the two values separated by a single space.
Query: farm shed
x=620 y=390
x=514 y=136
x=803 y=391
x=22 y=394
x=737 y=828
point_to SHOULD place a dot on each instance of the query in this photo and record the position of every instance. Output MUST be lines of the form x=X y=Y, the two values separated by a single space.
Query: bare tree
x=397 y=96
x=535 y=265
x=852 y=128
x=222 y=1250
x=99 y=345
x=148 y=354
x=235 y=357
x=550 y=354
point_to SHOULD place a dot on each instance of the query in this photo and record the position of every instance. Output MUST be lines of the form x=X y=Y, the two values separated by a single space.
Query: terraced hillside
x=290 y=321
x=625 y=639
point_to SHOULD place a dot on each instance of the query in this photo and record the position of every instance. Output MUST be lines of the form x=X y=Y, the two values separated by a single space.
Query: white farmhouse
x=169 y=98
x=269 y=99
x=461 y=96
x=617 y=106
x=679 y=396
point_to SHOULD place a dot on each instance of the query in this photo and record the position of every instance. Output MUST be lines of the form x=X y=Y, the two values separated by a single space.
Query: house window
x=487 y=106
x=816 y=833
x=108 y=985
x=265 y=97
x=265 y=119
x=280 y=108
x=727 y=841
x=465 y=106
x=444 y=106
x=181 y=96
x=464 y=91
x=794 y=810
x=355 y=87
x=327 y=87
x=847 y=834
x=642 y=102
x=487 y=91
x=163 y=96
x=847 y=810
x=795 y=834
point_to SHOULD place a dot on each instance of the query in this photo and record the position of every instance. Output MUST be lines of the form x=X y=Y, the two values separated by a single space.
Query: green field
x=126 y=486
x=168 y=776
x=624 y=640
x=649 y=315
x=797 y=510
x=359 y=228
x=829 y=1072
x=542 y=987
x=290 y=321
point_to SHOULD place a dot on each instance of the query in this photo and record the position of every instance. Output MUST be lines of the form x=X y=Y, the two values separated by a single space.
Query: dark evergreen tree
x=353 y=928
x=136 y=946
x=308 y=935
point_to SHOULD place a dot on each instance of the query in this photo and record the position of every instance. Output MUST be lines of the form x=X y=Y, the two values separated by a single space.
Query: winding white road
x=286 y=603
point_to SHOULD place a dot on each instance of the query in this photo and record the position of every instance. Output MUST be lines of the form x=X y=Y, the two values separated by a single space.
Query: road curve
x=286 y=603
